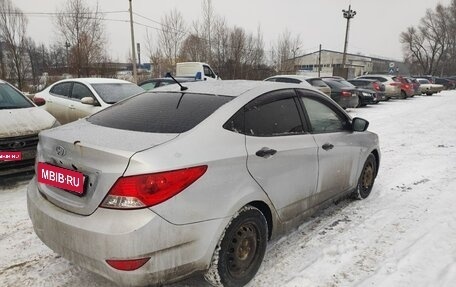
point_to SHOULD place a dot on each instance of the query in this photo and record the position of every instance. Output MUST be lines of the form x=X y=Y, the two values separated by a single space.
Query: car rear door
x=338 y=148
x=282 y=157
x=57 y=103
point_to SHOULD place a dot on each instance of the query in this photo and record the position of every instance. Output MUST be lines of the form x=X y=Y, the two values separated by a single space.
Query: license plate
x=69 y=180
x=10 y=155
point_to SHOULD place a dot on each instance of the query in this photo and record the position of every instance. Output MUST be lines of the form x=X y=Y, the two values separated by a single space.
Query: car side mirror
x=39 y=101
x=88 y=101
x=359 y=125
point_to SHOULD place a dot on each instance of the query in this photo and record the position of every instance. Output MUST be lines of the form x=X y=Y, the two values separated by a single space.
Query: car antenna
x=168 y=75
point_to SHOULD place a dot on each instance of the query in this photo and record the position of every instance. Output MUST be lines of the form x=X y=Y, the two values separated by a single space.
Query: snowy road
x=404 y=234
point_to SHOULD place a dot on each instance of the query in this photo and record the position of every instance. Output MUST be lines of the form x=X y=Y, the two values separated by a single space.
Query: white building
x=357 y=64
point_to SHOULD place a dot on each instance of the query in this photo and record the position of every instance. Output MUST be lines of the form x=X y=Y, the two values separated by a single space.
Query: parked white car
x=73 y=99
x=315 y=82
x=20 y=123
x=428 y=88
x=392 y=87
x=197 y=70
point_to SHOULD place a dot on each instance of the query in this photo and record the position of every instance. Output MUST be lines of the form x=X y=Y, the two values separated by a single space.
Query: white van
x=197 y=70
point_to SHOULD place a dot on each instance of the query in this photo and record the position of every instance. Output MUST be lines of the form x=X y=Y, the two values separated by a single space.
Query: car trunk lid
x=101 y=154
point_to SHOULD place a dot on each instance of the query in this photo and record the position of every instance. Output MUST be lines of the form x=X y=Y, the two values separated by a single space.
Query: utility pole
x=319 y=61
x=348 y=14
x=133 y=52
x=67 y=45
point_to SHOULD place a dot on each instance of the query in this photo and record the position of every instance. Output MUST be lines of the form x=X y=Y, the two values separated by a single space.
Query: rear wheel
x=366 y=179
x=240 y=251
x=403 y=95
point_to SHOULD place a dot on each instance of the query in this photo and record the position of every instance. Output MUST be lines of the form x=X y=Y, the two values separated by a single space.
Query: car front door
x=78 y=110
x=282 y=156
x=338 y=147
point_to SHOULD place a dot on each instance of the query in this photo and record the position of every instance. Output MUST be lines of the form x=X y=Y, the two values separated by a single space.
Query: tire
x=387 y=99
x=366 y=179
x=403 y=95
x=359 y=103
x=240 y=250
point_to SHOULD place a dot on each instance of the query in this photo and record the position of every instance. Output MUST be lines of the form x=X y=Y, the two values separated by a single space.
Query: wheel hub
x=242 y=249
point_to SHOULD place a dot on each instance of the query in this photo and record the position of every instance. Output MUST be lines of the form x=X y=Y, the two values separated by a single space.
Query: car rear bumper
x=348 y=102
x=176 y=251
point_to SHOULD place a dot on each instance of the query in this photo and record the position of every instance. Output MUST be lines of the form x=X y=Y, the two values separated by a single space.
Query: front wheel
x=240 y=251
x=366 y=179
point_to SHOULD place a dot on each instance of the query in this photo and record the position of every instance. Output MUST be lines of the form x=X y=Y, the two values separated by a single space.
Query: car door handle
x=266 y=152
x=327 y=146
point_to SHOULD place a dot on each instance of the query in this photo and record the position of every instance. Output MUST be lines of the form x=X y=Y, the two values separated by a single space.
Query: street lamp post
x=67 y=45
x=348 y=14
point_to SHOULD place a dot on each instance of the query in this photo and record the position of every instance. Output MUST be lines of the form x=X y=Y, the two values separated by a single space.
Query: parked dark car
x=447 y=84
x=373 y=85
x=348 y=95
x=416 y=86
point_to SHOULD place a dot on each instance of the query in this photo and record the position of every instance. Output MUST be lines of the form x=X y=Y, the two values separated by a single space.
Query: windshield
x=111 y=93
x=162 y=112
x=12 y=99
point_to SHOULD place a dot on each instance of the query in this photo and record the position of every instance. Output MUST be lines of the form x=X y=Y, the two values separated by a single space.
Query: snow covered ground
x=404 y=234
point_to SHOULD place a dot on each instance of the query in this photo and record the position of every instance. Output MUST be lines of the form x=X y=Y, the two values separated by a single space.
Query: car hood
x=102 y=154
x=20 y=122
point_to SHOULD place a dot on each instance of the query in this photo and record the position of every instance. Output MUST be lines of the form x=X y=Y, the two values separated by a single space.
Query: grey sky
x=374 y=30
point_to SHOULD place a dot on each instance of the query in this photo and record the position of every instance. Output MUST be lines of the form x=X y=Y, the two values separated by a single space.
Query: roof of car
x=298 y=77
x=94 y=80
x=232 y=88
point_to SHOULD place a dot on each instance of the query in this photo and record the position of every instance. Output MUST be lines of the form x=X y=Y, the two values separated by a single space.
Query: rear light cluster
x=346 y=94
x=146 y=190
x=376 y=86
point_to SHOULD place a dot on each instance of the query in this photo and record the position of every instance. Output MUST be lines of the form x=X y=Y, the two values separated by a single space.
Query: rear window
x=114 y=92
x=318 y=83
x=162 y=112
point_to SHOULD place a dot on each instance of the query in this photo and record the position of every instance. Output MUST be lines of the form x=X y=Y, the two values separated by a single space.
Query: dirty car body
x=281 y=149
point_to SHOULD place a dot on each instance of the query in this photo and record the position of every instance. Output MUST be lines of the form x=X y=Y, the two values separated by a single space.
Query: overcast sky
x=374 y=30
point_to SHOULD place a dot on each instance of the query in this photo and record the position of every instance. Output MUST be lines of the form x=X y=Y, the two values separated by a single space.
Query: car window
x=318 y=83
x=271 y=80
x=273 y=114
x=165 y=83
x=288 y=80
x=149 y=85
x=322 y=118
x=12 y=99
x=80 y=91
x=208 y=72
x=62 y=89
x=163 y=112
x=111 y=93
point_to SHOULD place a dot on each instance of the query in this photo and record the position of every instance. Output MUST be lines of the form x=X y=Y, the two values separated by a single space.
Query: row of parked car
x=366 y=89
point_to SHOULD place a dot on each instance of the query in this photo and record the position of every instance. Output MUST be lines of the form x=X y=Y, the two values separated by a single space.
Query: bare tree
x=171 y=36
x=82 y=27
x=13 y=27
x=286 y=48
x=427 y=44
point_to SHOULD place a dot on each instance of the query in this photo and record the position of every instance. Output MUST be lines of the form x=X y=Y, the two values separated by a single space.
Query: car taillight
x=346 y=94
x=127 y=265
x=146 y=190
x=407 y=86
x=376 y=86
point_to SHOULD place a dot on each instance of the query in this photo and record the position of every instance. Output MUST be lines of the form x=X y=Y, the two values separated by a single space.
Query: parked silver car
x=195 y=179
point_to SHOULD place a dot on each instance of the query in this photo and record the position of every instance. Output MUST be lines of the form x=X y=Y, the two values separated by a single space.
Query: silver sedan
x=180 y=181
